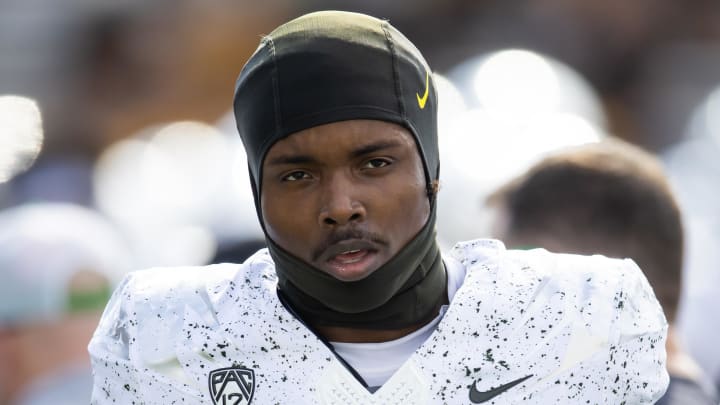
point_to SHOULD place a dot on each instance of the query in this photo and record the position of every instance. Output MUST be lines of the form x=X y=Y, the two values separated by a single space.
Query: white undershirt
x=377 y=362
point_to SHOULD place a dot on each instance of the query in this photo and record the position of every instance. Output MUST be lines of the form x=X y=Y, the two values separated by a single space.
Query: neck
x=403 y=293
x=352 y=335
x=359 y=335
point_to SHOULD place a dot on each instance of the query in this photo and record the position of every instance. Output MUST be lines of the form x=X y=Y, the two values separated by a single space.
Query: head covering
x=333 y=66
x=44 y=248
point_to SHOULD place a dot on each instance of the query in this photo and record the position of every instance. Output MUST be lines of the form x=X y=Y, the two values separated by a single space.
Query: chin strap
x=405 y=291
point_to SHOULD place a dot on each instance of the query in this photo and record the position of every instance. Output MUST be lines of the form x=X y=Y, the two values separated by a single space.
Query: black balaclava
x=332 y=66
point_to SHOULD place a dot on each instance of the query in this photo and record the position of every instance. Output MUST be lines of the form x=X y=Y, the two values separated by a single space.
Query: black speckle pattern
x=172 y=327
x=588 y=329
x=556 y=317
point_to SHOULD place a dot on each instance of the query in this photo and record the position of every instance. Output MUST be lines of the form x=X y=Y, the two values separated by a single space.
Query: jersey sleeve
x=114 y=376
x=637 y=371
x=132 y=348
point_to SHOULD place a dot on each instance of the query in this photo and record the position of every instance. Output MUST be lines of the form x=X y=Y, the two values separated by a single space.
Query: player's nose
x=340 y=205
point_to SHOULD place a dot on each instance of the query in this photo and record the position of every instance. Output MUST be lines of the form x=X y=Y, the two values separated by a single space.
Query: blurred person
x=58 y=265
x=609 y=198
x=352 y=301
x=694 y=170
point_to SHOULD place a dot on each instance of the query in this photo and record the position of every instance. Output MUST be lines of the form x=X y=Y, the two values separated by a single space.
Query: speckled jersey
x=525 y=327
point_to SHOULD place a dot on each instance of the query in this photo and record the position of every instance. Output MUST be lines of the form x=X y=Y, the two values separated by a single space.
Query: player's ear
x=434 y=188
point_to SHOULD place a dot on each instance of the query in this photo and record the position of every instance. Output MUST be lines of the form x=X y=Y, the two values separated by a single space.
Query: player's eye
x=296 y=175
x=377 y=163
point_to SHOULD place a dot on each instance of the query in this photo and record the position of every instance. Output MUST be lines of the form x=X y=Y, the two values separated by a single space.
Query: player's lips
x=348 y=251
x=349 y=260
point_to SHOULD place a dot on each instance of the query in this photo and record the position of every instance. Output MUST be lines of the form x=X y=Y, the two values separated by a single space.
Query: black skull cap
x=334 y=66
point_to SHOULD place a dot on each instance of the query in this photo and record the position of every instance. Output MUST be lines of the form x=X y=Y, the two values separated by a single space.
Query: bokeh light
x=705 y=119
x=517 y=80
x=523 y=84
x=159 y=185
x=523 y=107
x=21 y=135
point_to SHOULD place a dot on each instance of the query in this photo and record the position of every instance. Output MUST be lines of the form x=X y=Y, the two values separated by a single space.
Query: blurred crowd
x=118 y=152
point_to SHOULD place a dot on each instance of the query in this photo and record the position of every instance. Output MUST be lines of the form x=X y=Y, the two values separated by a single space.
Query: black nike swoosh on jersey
x=478 y=397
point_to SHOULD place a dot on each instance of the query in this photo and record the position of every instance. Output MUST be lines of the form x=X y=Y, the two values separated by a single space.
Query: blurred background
x=122 y=109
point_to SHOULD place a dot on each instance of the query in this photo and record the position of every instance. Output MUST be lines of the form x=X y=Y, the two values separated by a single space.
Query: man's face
x=345 y=197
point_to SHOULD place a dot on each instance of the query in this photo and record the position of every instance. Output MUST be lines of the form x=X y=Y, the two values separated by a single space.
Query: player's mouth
x=350 y=260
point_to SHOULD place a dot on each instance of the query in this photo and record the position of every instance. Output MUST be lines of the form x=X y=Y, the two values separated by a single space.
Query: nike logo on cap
x=478 y=397
x=422 y=100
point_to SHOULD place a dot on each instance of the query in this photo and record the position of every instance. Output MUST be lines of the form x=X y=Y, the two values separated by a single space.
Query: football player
x=352 y=302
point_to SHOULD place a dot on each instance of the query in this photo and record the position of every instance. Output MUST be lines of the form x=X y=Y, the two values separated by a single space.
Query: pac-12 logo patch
x=232 y=385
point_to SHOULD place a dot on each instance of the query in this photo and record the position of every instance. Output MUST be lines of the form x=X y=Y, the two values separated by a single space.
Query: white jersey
x=524 y=327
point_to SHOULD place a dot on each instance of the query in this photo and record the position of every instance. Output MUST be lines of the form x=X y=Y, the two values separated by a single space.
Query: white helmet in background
x=57 y=258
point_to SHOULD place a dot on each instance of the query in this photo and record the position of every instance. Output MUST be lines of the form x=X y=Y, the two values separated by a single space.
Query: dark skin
x=345 y=197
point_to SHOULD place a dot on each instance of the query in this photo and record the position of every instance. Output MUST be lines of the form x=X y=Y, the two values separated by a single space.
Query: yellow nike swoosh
x=422 y=100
